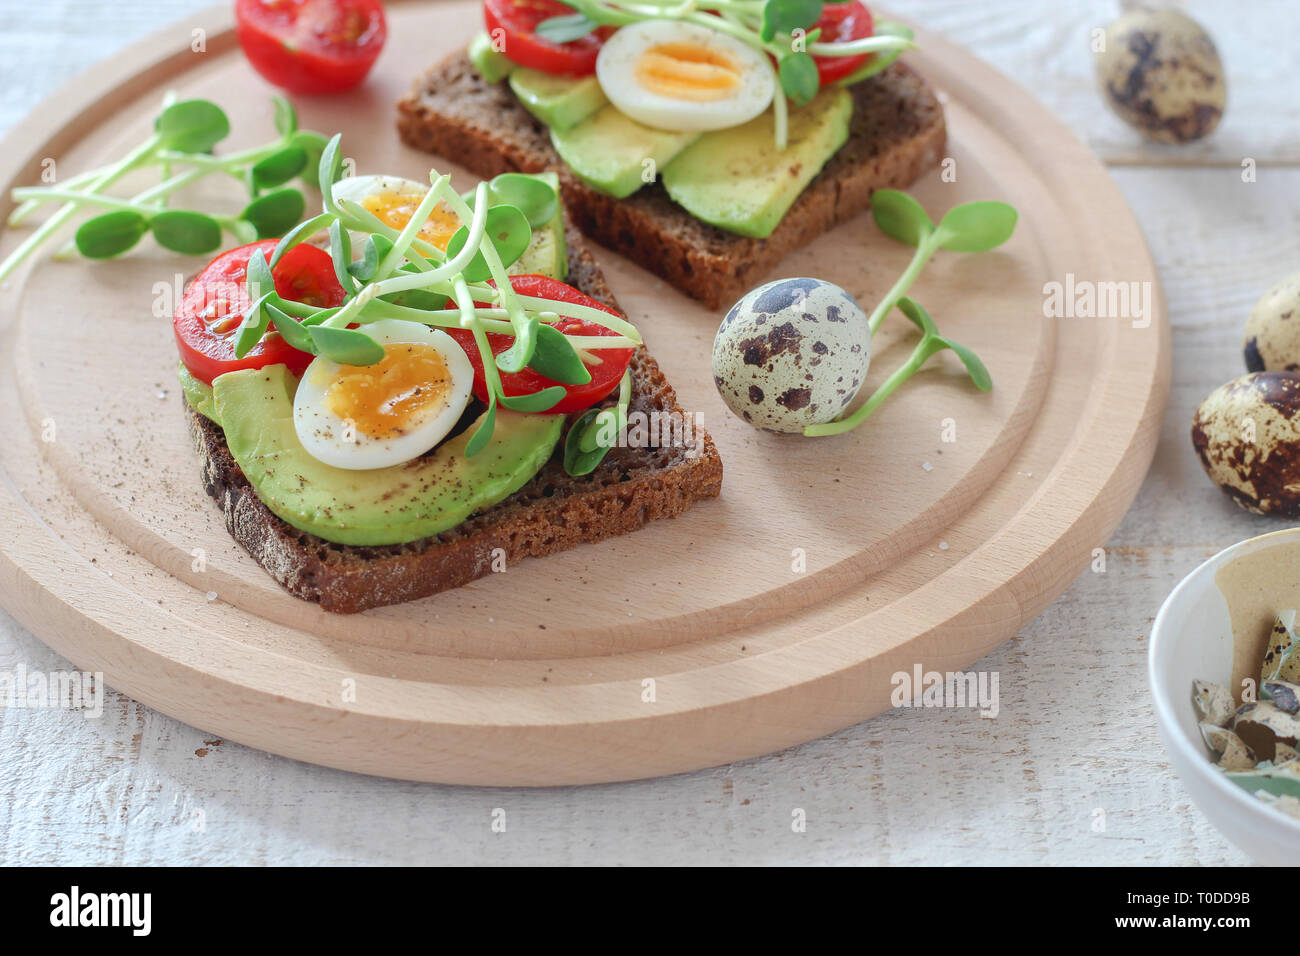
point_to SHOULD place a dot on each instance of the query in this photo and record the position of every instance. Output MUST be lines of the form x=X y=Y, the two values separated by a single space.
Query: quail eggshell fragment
x=1272 y=338
x=1284 y=694
x=1214 y=703
x=1281 y=662
x=1261 y=726
x=1233 y=754
x=1286 y=757
x=1162 y=75
x=1247 y=435
x=792 y=353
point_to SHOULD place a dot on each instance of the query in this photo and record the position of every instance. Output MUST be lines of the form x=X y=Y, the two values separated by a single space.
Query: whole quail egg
x=1272 y=339
x=1162 y=75
x=1247 y=435
x=792 y=353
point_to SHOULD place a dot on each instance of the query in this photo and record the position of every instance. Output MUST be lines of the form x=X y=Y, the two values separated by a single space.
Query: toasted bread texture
x=551 y=513
x=897 y=133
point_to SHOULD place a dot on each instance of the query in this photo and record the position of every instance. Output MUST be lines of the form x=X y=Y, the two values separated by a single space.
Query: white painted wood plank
x=1047 y=47
x=1075 y=734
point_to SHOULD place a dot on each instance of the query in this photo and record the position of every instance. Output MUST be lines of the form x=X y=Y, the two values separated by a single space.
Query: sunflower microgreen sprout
x=971 y=227
x=469 y=279
x=184 y=135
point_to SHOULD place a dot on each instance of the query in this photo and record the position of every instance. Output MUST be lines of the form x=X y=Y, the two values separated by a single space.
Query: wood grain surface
x=1072 y=746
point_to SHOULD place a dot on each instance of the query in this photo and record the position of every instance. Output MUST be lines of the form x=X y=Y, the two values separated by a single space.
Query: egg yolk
x=687 y=71
x=395 y=209
x=388 y=398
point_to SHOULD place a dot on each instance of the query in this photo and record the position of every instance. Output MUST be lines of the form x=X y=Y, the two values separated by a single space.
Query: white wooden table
x=1070 y=772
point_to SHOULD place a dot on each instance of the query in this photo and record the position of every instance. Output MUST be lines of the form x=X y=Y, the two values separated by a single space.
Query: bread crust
x=553 y=512
x=896 y=134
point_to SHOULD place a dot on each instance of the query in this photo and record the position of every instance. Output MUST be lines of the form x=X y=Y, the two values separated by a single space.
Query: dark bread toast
x=551 y=513
x=896 y=134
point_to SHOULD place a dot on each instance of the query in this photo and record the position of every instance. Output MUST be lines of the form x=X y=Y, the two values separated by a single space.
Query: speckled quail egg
x=1272 y=339
x=1247 y=434
x=1162 y=75
x=792 y=353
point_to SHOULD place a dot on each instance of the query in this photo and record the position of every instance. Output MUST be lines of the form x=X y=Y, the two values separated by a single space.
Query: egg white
x=616 y=72
x=328 y=438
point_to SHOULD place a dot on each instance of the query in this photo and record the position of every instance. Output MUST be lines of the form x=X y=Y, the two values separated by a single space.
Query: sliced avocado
x=198 y=394
x=609 y=151
x=561 y=102
x=382 y=505
x=491 y=64
x=736 y=178
x=547 y=254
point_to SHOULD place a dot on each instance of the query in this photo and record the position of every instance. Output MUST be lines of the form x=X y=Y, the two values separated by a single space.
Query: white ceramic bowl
x=1191 y=638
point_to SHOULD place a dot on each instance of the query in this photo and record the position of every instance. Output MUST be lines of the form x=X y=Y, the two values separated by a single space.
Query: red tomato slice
x=605 y=377
x=213 y=304
x=311 y=46
x=839 y=23
x=517 y=20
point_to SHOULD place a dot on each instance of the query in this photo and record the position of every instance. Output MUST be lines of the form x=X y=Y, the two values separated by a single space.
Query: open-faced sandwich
x=460 y=393
x=705 y=140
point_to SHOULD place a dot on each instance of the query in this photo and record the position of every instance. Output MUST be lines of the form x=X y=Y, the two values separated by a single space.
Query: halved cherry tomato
x=839 y=23
x=311 y=46
x=517 y=20
x=605 y=377
x=214 y=303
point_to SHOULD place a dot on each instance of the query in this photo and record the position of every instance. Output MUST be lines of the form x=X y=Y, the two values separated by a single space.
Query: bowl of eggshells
x=1224 y=668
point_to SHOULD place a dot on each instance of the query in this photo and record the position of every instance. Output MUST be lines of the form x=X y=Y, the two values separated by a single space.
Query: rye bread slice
x=551 y=513
x=897 y=133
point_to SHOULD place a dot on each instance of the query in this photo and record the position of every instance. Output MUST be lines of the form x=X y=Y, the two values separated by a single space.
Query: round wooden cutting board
x=773 y=615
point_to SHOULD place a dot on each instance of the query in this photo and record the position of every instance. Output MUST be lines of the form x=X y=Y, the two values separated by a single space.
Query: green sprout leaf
x=532 y=196
x=507 y=230
x=111 y=234
x=576 y=461
x=548 y=397
x=520 y=353
x=278 y=168
x=341 y=254
x=253 y=326
x=192 y=126
x=422 y=299
x=555 y=358
x=189 y=233
x=275 y=213
x=934 y=343
x=976 y=226
x=286 y=117
x=786 y=16
x=564 y=28
x=900 y=217
x=372 y=254
x=258 y=277
x=799 y=77
x=291 y=330
x=300 y=232
x=483 y=434
x=920 y=318
x=346 y=346
x=313 y=144
x=329 y=169
x=978 y=373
